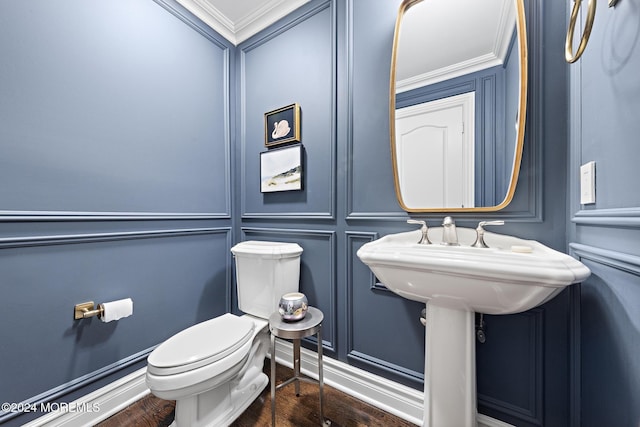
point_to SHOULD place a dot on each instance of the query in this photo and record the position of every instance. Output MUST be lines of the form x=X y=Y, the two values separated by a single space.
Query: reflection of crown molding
x=496 y=53
x=246 y=26
x=455 y=70
x=506 y=32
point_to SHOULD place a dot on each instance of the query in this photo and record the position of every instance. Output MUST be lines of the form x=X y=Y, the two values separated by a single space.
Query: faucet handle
x=483 y=223
x=425 y=230
x=479 y=243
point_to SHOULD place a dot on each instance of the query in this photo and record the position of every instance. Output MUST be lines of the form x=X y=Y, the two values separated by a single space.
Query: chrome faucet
x=424 y=229
x=449 y=233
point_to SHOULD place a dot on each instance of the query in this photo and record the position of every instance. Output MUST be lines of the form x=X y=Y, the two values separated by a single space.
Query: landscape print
x=281 y=170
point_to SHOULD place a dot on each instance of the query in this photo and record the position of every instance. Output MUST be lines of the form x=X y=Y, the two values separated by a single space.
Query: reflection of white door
x=434 y=152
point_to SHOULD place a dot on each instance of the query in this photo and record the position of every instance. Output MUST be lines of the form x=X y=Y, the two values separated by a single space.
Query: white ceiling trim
x=427 y=26
x=254 y=19
x=506 y=29
x=446 y=73
x=212 y=17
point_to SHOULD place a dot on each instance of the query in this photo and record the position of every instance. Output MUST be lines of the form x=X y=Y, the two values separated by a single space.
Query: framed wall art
x=282 y=125
x=281 y=169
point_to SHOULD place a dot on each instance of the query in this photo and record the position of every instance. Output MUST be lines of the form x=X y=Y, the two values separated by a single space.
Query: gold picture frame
x=282 y=125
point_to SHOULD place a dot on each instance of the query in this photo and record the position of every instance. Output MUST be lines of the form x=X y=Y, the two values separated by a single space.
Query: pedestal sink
x=511 y=276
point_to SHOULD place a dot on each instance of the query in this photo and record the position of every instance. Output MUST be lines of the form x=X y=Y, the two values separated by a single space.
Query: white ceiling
x=237 y=20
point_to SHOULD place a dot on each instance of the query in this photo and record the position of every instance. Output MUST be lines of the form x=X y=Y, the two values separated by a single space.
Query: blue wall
x=115 y=141
x=337 y=56
x=605 y=101
x=131 y=136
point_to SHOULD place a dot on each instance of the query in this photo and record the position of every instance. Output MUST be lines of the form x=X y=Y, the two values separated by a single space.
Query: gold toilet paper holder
x=86 y=310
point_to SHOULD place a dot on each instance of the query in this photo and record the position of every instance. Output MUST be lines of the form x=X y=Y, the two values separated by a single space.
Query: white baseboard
x=397 y=399
x=391 y=397
x=97 y=406
x=485 y=421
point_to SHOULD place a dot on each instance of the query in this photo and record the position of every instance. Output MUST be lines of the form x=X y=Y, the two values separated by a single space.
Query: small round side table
x=311 y=324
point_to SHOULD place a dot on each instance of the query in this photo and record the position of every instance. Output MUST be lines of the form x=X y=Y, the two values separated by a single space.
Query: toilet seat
x=202 y=344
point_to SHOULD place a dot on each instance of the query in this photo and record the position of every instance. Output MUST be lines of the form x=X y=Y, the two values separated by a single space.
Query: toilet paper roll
x=115 y=310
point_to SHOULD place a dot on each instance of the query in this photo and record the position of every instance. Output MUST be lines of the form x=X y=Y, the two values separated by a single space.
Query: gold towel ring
x=568 y=46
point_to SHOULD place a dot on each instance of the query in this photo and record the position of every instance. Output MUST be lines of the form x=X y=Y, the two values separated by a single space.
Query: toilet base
x=221 y=405
x=219 y=400
x=218 y=407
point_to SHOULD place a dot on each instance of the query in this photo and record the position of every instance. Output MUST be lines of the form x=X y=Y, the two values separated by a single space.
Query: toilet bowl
x=214 y=369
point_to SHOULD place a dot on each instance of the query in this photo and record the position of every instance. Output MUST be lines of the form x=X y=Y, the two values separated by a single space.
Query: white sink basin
x=511 y=276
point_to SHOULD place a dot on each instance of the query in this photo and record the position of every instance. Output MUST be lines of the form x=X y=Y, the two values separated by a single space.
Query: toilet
x=214 y=369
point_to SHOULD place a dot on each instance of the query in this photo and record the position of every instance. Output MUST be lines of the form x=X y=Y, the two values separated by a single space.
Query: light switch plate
x=588 y=183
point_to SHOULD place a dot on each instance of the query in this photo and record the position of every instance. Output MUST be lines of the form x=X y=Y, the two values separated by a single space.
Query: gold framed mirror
x=457 y=104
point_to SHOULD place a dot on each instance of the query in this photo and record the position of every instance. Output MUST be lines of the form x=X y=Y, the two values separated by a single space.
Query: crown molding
x=257 y=19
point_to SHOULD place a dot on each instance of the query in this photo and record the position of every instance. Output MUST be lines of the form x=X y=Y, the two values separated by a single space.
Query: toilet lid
x=202 y=344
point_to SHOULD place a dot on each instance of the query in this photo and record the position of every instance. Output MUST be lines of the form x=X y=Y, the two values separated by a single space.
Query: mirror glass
x=458 y=103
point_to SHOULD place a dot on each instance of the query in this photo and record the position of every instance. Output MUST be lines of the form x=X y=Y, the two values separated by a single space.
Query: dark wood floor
x=340 y=409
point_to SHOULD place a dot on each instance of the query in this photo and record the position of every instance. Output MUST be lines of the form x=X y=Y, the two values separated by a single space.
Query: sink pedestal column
x=449 y=367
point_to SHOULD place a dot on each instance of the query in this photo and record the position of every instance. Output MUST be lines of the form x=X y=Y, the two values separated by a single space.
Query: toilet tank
x=264 y=272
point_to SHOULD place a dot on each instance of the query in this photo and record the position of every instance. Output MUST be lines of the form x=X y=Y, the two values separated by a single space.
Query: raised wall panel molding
x=353 y=238
x=618 y=260
x=533 y=412
x=531 y=206
x=534 y=129
x=372 y=216
x=620 y=217
x=61 y=215
x=485 y=155
x=329 y=332
x=330 y=175
x=379 y=286
x=284 y=215
x=214 y=38
x=72 y=239
x=69 y=239
x=351 y=212
x=575 y=360
x=114 y=241
x=9 y=215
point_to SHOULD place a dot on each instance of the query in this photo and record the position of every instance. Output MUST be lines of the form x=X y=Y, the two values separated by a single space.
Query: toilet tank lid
x=262 y=249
